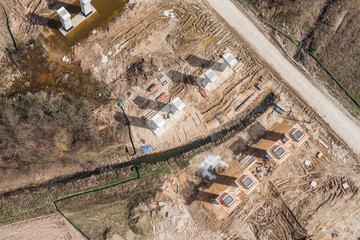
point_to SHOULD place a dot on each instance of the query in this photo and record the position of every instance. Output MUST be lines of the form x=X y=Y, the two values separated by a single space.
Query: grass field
x=111 y=211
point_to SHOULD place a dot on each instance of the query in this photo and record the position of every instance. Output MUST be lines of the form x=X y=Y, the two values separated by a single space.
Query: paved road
x=345 y=127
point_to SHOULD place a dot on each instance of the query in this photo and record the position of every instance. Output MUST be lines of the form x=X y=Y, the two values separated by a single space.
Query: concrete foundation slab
x=77 y=20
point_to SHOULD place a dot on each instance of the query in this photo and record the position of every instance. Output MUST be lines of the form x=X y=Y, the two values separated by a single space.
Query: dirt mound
x=139 y=72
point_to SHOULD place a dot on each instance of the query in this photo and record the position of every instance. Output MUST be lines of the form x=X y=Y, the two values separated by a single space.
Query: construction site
x=225 y=147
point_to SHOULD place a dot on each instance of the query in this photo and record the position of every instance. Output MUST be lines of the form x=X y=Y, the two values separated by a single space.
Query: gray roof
x=247 y=182
x=279 y=152
x=228 y=200
x=297 y=134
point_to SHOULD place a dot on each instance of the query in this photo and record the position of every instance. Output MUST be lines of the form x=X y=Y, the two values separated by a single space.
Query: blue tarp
x=145 y=148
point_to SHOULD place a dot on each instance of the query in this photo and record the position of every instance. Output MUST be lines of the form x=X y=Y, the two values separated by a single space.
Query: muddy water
x=41 y=74
x=45 y=72
x=106 y=11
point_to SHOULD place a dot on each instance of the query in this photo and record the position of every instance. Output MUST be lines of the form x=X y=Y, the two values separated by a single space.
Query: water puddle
x=40 y=74
x=106 y=11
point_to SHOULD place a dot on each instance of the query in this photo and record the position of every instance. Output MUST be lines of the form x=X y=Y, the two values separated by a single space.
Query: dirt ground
x=284 y=205
x=130 y=58
x=52 y=227
x=124 y=59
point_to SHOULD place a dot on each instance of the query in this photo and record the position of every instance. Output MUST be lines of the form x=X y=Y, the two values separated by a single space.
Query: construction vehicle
x=202 y=91
x=153 y=87
x=161 y=97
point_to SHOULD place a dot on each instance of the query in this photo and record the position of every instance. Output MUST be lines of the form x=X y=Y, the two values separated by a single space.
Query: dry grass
x=330 y=29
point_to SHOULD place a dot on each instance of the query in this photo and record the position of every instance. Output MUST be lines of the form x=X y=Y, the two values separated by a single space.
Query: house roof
x=63 y=13
x=247 y=181
x=229 y=59
x=210 y=75
x=158 y=120
x=178 y=103
x=228 y=200
x=297 y=134
x=279 y=152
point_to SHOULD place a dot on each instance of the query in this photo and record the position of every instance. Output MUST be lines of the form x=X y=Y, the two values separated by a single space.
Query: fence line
x=297 y=43
x=91 y=191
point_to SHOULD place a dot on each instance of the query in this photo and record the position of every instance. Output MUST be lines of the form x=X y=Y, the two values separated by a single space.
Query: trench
x=216 y=138
x=306 y=42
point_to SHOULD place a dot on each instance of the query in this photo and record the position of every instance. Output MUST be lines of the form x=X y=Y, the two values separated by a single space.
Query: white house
x=210 y=77
x=229 y=61
x=176 y=105
x=156 y=122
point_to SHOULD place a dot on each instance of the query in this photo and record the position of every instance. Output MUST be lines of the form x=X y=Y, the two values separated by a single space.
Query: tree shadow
x=71 y=8
x=202 y=63
x=134 y=121
x=224 y=180
x=238 y=146
x=202 y=196
x=178 y=77
x=200 y=190
x=144 y=103
x=257 y=152
x=36 y=19
x=272 y=136
x=255 y=131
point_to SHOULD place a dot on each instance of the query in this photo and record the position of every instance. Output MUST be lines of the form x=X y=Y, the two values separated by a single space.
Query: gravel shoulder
x=338 y=119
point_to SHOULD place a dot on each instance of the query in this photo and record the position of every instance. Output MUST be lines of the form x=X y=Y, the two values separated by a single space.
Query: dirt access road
x=338 y=119
x=50 y=227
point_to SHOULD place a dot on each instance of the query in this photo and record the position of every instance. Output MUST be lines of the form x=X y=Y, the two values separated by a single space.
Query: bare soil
x=284 y=206
x=52 y=227
x=61 y=118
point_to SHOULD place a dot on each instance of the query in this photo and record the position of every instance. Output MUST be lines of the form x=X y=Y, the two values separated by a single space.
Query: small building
x=345 y=185
x=225 y=199
x=279 y=152
x=229 y=61
x=156 y=122
x=210 y=77
x=246 y=181
x=297 y=134
x=176 y=105
x=65 y=18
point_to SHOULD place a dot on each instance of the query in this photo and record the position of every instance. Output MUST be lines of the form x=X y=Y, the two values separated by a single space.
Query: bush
x=28 y=124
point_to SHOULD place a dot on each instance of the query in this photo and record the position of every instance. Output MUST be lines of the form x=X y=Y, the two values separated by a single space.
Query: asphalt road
x=338 y=119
